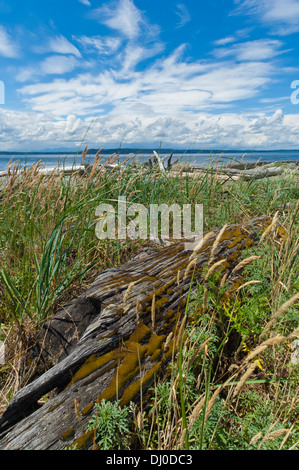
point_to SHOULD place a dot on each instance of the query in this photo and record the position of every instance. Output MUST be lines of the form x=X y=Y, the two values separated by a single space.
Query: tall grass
x=232 y=385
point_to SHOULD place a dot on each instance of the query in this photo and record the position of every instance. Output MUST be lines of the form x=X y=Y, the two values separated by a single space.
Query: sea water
x=200 y=158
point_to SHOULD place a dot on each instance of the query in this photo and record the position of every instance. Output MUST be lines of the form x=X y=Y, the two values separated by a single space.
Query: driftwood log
x=116 y=338
x=254 y=173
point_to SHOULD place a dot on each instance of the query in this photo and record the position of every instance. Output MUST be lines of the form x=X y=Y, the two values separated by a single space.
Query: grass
x=232 y=384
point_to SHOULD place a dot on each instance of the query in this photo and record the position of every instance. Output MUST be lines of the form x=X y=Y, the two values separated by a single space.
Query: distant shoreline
x=51 y=160
x=125 y=151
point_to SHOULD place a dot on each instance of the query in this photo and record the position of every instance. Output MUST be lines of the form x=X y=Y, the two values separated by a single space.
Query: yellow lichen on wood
x=134 y=353
x=81 y=441
x=132 y=390
x=67 y=434
x=141 y=332
x=87 y=409
x=93 y=363
x=128 y=368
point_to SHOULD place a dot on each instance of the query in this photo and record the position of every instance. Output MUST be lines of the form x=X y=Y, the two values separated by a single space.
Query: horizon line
x=144 y=150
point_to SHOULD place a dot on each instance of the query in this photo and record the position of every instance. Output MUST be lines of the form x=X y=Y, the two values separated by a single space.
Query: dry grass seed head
x=244 y=378
x=188 y=269
x=270 y=228
x=128 y=291
x=153 y=311
x=181 y=331
x=273 y=435
x=248 y=283
x=280 y=312
x=84 y=153
x=200 y=244
x=245 y=262
x=216 y=243
x=213 y=267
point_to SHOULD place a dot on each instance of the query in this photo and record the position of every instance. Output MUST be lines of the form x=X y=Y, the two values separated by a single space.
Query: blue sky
x=193 y=74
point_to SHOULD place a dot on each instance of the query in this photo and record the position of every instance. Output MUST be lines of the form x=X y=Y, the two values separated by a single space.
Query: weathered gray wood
x=255 y=174
x=111 y=342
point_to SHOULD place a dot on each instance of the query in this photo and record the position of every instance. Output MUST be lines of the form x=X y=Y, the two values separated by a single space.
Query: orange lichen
x=94 y=363
x=131 y=391
x=67 y=434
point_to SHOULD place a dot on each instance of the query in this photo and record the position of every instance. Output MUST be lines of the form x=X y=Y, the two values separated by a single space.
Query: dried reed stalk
x=153 y=311
x=244 y=378
x=270 y=228
x=178 y=277
x=188 y=269
x=248 y=283
x=137 y=309
x=180 y=333
x=128 y=291
x=273 y=435
x=182 y=439
x=200 y=244
x=168 y=340
x=216 y=244
x=83 y=155
x=256 y=438
x=212 y=268
x=204 y=301
x=196 y=411
x=244 y=263
x=280 y=312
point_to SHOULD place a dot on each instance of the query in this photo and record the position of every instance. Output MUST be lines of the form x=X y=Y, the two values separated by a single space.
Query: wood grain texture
x=110 y=342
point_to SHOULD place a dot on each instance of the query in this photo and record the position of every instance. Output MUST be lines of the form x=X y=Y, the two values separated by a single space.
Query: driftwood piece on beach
x=160 y=162
x=116 y=338
x=247 y=165
x=249 y=174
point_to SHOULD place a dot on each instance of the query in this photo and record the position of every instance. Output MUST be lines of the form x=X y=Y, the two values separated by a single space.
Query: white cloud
x=125 y=18
x=225 y=41
x=281 y=16
x=58 y=45
x=260 y=49
x=24 y=74
x=173 y=99
x=85 y=2
x=183 y=14
x=274 y=100
x=103 y=46
x=52 y=65
x=170 y=86
x=8 y=47
x=58 y=65
x=28 y=130
x=133 y=54
x=170 y=101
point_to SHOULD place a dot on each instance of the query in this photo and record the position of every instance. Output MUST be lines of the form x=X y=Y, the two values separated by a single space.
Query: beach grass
x=233 y=385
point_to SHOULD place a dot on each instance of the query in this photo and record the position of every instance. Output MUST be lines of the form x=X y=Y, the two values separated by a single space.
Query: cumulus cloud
x=19 y=130
x=174 y=98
